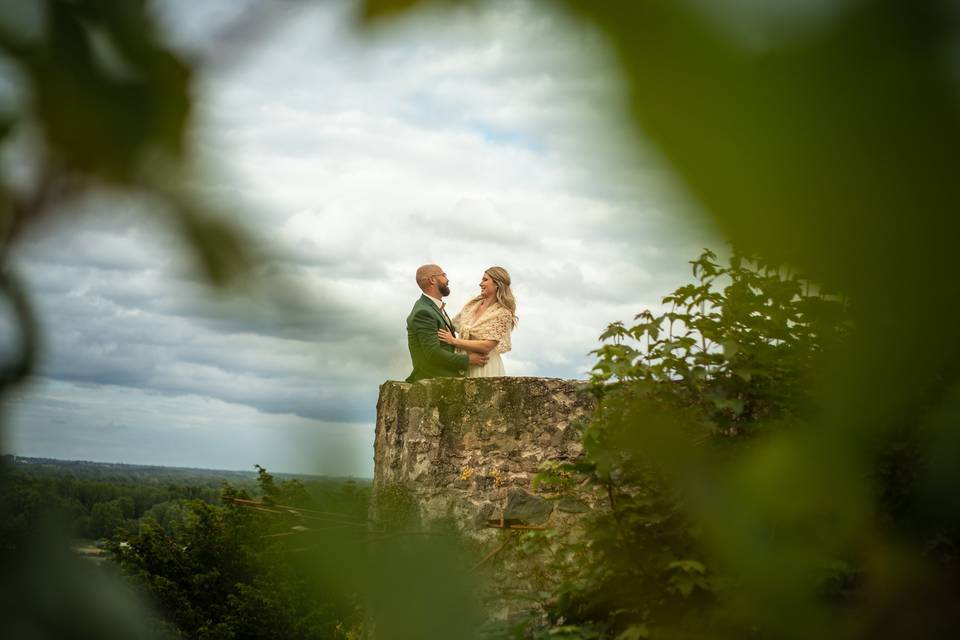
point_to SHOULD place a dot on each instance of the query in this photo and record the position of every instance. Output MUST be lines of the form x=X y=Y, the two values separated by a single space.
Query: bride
x=484 y=324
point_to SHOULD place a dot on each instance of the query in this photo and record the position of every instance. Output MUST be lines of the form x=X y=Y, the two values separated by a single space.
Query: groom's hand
x=478 y=359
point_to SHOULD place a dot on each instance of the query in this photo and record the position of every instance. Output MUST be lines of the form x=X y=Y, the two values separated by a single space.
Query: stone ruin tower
x=465 y=452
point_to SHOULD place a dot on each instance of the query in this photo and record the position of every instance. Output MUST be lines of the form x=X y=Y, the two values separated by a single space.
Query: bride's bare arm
x=477 y=346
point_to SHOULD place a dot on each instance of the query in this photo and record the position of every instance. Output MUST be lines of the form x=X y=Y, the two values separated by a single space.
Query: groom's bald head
x=426 y=272
x=433 y=281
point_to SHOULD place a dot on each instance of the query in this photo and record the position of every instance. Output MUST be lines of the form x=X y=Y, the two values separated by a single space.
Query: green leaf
x=730 y=349
x=743 y=373
x=688 y=566
x=634 y=632
x=220 y=247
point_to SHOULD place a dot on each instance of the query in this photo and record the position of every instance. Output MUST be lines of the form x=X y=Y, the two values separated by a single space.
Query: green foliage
x=731 y=358
x=734 y=355
x=268 y=569
x=638 y=566
x=88 y=504
x=289 y=492
x=677 y=436
x=106 y=517
x=742 y=344
x=216 y=570
x=788 y=147
x=396 y=508
x=105 y=89
x=230 y=571
x=40 y=509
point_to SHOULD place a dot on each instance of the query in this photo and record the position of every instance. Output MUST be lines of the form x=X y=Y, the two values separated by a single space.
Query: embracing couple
x=470 y=343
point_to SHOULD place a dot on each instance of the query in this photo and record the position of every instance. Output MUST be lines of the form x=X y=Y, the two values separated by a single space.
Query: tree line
x=90 y=508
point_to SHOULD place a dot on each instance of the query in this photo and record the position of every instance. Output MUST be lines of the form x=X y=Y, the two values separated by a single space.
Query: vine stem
x=500 y=547
x=613 y=506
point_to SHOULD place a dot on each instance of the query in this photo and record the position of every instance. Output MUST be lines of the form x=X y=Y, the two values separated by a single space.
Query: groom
x=432 y=358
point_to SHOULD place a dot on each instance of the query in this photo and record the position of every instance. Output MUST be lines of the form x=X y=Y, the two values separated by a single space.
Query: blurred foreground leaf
x=829 y=148
x=100 y=103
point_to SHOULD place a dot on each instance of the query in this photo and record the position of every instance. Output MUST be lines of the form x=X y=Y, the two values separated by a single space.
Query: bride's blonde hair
x=504 y=295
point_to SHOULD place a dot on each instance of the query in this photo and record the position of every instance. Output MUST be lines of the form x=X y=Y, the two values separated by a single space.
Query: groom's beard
x=444 y=289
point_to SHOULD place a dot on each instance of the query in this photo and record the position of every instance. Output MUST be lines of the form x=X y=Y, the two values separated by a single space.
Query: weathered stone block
x=569 y=504
x=525 y=508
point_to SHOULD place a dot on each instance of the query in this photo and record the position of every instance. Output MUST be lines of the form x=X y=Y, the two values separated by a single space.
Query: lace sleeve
x=497 y=328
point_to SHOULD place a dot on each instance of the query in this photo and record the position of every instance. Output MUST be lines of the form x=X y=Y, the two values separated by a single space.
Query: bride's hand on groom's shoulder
x=446 y=336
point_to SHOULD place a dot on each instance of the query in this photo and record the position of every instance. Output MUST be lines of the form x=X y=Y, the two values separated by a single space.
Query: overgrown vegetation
x=236 y=571
x=214 y=565
x=740 y=345
x=685 y=395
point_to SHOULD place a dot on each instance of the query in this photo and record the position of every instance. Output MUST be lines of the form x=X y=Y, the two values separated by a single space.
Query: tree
x=224 y=571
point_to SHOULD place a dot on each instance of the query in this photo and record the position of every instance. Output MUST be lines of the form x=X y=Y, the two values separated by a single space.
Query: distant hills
x=118 y=471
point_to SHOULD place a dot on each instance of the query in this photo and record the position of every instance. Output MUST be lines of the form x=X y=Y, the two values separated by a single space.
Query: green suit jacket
x=431 y=357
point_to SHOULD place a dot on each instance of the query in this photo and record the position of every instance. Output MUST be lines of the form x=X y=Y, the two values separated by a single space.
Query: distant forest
x=95 y=500
x=191 y=541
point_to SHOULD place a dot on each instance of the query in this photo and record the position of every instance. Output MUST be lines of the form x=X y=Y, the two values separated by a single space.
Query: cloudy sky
x=469 y=138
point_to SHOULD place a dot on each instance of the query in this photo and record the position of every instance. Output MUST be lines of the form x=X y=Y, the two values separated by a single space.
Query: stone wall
x=462 y=453
x=467 y=449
